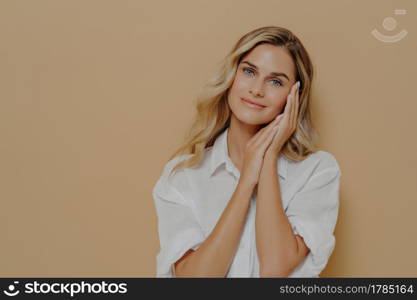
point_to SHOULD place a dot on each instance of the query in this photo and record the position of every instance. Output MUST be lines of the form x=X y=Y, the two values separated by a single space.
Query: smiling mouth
x=250 y=104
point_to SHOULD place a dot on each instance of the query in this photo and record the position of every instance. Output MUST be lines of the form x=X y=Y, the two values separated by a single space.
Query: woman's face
x=264 y=76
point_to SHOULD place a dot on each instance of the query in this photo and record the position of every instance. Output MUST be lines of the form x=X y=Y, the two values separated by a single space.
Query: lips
x=251 y=103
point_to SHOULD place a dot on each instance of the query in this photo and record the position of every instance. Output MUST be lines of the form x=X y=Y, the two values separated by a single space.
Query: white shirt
x=190 y=202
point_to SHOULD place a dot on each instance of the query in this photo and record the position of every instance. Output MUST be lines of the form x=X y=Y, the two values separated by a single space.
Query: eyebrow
x=272 y=73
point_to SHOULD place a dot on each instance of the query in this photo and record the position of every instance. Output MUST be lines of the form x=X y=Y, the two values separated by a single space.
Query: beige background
x=95 y=95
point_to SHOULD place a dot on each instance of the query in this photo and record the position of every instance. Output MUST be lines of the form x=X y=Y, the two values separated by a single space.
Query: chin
x=249 y=119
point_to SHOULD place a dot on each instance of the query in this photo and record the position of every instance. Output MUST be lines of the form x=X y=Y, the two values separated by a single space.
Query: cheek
x=240 y=83
x=280 y=102
x=281 y=98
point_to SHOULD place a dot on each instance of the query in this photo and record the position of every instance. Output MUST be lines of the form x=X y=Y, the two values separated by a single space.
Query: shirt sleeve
x=179 y=229
x=313 y=214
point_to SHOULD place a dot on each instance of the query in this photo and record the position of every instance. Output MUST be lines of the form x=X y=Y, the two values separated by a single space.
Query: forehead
x=270 y=58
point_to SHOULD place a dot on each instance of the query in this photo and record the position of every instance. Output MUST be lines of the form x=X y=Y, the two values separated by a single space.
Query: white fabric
x=190 y=202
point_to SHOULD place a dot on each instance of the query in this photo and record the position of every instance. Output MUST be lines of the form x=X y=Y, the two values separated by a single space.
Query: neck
x=238 y=135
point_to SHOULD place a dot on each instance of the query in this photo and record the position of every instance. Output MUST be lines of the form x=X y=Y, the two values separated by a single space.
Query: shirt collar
x=220 y=156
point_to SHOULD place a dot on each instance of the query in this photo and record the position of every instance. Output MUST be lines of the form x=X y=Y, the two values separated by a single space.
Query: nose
x=257 y=89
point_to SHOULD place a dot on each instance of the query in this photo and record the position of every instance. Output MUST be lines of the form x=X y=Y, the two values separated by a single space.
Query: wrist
x=246 y=183
x=271 y=155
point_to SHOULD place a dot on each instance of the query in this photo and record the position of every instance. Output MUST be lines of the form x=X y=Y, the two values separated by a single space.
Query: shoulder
x=168 y=167
x=316 y=163
x=171 y=182
x=170 y=177
x=321 y=160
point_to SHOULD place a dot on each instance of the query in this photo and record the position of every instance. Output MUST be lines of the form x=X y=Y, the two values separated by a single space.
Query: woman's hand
x=287 y=122
x=255 y=152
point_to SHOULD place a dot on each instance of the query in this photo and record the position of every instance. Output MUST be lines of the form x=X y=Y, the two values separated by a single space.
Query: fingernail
x=298 y=84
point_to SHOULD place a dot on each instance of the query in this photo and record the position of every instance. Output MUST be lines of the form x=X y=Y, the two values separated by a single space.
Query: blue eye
x=247 y=69
x=277 y=81
x=251 y=72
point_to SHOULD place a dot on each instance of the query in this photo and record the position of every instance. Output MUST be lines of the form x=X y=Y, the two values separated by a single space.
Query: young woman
x=248 y=195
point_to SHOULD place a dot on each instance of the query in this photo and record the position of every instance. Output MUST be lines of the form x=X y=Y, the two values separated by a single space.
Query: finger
x=293 y=89
x=287 y=110
x=297 y=107
x=291 y=116
x=275 y=121
x=279 y=118
x=268 y=140
x=262 y=132
x=293 y=104
x=264 y=136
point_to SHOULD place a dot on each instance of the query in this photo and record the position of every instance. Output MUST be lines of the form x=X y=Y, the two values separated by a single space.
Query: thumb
x=279 y=118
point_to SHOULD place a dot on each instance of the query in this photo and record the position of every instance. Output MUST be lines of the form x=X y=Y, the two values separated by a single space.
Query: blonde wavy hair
x=213 y=111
